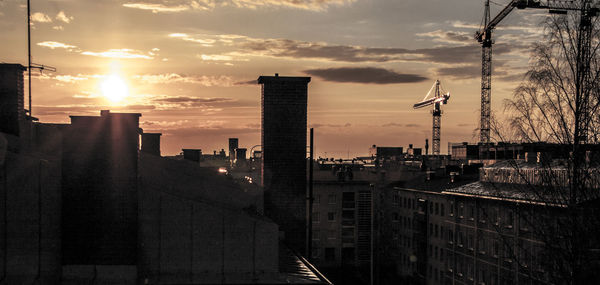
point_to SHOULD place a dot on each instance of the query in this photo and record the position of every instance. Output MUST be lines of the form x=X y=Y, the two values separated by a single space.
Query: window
x=395 y=217
x=315 y=252
x=348 y=196
x=396 y=198
x=329 y=254
x=436 y=230
x=442 y=212
x=482 y=247
x=331 y=199
x=437 y=208
x=461 y=210
x=470 y=242
x=430 y=208
x=471 y=212
x=348 y=232
x=317 y=199
x=348 y=214
x=495 y=249
x=331 y=234
x=509 y=219
x=315 y=217
x=315 y=234
x=331 y=216
x=451 y=208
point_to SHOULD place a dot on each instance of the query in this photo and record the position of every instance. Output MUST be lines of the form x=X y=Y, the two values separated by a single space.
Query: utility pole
x=310 y=198
x=29 y=54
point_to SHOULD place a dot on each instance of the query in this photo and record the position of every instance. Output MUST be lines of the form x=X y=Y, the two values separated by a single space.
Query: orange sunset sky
x=190 y=66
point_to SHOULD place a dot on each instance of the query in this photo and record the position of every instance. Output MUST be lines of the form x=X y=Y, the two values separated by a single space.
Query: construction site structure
x=484 y=36
x=437 y=100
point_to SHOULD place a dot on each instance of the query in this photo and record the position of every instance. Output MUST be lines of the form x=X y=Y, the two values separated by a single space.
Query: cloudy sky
x=190 y=66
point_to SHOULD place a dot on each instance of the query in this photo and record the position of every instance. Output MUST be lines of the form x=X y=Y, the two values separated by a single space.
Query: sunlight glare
x=114 y=88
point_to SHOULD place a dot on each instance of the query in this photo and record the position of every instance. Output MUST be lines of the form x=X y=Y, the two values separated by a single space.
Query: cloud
x=88 y=109
x=192 y=100
x=215 y=57
x=61 y=16
x=54 y=45
x=71 y=78
x=40 y=17
x=203 y=80
x=315 y=5
x=413 y=125
x=501 y=70
x=164 y=124
x=204 y=42
x=58 y=28
x=317 y=125
x=460 y=72
x=157 y=8
x=118 y=53
x=450 y=37
x=249 y=82
x=371 y=75
x=392 y=125
x=346 y=53
x=173 y=6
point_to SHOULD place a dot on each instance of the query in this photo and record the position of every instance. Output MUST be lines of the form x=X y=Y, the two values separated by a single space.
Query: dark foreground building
x=80 y=203
x=283 y=139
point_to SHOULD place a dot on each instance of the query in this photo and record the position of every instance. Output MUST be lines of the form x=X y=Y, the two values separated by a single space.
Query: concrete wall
x=29 y=219
x=99 y=212
x=187 y=242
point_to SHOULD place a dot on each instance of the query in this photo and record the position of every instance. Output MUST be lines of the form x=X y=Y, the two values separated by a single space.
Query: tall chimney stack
x=283 y=140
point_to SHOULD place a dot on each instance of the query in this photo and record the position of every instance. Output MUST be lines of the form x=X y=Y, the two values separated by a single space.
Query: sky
x=190 y=66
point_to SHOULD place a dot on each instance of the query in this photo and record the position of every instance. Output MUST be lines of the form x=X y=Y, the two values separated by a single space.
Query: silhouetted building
x=283 y=140
x=11 y=98
x=192 y=154
x=233 y=144
x=100 y=189
x=151 y=143
x=379 y=152
x=240 y=155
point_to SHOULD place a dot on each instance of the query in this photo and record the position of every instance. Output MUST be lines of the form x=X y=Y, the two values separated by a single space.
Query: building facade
x=283 y=140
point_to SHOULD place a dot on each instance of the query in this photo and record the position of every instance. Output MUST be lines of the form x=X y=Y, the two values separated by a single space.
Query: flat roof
x=269 y=79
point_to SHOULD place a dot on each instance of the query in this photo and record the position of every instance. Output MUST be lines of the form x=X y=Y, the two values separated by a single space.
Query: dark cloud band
x=368 y=75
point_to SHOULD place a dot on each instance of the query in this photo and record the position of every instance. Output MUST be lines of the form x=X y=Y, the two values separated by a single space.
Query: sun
x=114 y=88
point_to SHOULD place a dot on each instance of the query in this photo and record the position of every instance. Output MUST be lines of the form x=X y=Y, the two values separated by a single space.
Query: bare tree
x=558 y=103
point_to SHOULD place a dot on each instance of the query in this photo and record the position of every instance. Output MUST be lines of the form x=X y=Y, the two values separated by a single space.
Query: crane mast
x=437 y=100
x=484 y=36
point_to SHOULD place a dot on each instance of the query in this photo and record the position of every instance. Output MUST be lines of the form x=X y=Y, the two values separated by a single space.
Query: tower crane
x=437 y=100
x=484 y=36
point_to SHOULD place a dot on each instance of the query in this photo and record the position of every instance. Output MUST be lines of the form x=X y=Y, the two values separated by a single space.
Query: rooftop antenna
x=31 y=65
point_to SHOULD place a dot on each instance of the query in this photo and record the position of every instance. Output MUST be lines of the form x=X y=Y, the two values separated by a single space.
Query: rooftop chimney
x=151 y=143
x=283 y=140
